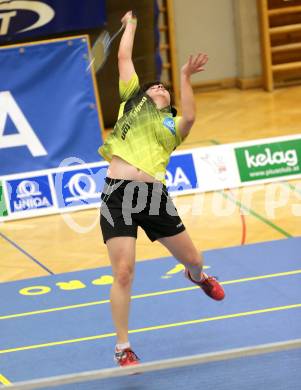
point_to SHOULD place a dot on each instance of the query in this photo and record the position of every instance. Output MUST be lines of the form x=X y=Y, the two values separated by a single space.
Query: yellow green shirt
x=143 y=135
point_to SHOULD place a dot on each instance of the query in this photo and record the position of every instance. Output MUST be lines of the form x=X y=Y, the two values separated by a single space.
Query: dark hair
x=150 y=84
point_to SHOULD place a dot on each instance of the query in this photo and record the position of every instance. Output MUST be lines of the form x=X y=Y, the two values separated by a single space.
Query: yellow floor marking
x=105 y=279
x=178 y=269
x=152 y=294
x=297 y=271
x=4 y=380
x=150 y=328
x=54 y=309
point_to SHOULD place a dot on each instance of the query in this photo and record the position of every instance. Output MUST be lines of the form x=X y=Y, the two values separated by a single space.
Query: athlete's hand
x=195 y=64
x=128 y=17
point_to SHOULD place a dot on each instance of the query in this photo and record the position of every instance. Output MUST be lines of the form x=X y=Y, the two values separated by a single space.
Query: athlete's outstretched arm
x=194 y=65
x=125 y=62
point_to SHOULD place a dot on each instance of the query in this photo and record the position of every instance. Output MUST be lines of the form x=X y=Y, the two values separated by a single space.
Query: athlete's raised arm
x=194 y=65
x=125 y=62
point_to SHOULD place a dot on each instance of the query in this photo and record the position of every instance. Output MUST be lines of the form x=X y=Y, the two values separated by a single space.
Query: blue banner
x=75 y=185
x=48 y=109
x=29 y=194
x=41 y=18
x=181 y=174
x=79 y=187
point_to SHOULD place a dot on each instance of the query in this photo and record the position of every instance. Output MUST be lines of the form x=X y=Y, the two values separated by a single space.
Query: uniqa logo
x=44 y=11
x=27 y=189
x=289 y=158
x=179 y=180
x=82 y=186
x=29 y=197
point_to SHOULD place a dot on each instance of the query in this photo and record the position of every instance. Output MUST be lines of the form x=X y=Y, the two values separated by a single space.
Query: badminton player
x=138 y=149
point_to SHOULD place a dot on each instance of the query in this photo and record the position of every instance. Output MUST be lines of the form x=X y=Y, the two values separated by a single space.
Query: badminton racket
x=101 y=49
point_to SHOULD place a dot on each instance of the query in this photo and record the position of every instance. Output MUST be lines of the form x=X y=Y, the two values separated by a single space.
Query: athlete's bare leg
x=122 y=256
x=183 y=249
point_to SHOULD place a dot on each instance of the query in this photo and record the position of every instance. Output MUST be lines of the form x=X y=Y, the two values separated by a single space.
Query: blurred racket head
x=101 y=49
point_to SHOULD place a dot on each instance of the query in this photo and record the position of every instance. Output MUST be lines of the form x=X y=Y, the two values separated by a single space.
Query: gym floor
x=64 y=326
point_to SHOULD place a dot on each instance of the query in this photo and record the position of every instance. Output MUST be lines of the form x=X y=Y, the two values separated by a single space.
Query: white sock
x=195 y=272
x=203 y=276
x=122 y=346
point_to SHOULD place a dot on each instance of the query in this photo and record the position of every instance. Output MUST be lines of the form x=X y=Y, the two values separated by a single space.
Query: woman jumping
x=138 y=149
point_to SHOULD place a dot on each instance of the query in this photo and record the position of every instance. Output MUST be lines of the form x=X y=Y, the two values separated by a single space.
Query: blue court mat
x=244 y=373
x=66 y=327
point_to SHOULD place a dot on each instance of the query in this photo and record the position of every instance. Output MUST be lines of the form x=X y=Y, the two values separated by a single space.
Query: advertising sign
x=29 y=193
x=270 y=160
x=79 y=187
x=76 y=185
x=181 y=173
x=48 y=108
x=42 y=18
x=3 y=208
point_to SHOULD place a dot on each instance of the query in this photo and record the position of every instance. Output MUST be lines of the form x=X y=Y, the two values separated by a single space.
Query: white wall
x=227 y=30
x=247 y=38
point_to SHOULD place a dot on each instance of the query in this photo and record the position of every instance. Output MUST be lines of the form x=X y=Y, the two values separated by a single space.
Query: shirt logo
x=170 y=124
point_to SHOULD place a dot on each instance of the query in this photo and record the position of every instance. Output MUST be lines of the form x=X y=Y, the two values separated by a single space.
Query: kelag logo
x=269 y=160
x=29 y=194
x=79 y=187
x=180 y=173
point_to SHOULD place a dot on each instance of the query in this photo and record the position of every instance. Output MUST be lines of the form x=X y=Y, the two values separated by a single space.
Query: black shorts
x=127 y=204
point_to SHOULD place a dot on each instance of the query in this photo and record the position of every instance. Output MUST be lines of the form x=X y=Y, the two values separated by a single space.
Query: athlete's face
x=159 y=93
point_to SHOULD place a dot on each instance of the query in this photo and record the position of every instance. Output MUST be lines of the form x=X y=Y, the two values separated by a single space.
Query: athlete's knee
x=124 y=275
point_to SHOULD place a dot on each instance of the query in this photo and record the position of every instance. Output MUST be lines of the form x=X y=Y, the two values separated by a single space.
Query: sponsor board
x=3 y=208
x=41 y=18
x=74 y=187
x=29 y=194
x=216 y=168
x=267 y=161
x=42 y=125
x=180 y=174
x=80 y=187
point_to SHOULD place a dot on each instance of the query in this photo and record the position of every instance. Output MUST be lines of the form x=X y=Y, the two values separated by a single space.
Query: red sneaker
x=126 y=357
x=209 y=285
